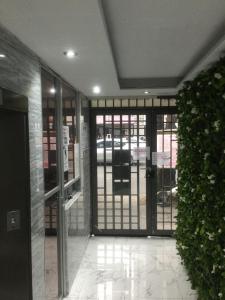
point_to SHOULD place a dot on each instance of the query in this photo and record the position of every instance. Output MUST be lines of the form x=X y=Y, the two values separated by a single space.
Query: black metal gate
x=134 y=171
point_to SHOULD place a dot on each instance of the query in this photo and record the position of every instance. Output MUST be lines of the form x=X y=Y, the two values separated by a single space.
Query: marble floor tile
x=116 y=268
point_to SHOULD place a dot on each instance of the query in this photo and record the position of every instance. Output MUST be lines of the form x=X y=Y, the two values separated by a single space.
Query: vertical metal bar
x=104 y=149
x=113 y=195
x=175 y=131
x=130 y=195
x=94 y=172
x=48 y=131
x=162 y=178
x=154 y=182
x=78 y=109
x=145 y=163
x=121 y=196
x=73 y=124
x=147 y=184
x=61 y=214
x=138 y=175
x=171 y=208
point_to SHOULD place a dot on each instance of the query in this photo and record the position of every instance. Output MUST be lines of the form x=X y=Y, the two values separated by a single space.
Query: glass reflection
x=69 y=131
x=49 y=131
x=131 y=269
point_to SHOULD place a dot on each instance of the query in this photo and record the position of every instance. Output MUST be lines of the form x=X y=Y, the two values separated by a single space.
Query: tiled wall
x=20 y=73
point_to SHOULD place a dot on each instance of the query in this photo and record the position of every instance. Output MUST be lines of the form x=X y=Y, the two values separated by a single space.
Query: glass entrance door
x=129 y=179
x=162 y=180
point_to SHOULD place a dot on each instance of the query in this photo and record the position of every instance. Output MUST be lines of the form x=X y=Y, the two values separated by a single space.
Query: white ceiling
x=149 y=38
x=160 y=38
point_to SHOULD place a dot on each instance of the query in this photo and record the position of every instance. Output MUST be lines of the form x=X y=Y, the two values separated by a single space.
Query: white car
x=138 y=151
x=107 y=145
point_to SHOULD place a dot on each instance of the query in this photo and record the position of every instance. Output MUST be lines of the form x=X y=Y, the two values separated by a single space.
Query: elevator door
x=134 y=173
x=15 y=274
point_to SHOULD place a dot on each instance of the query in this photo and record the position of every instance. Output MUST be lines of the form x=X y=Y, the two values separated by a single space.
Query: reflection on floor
x=51 y=268
x=115 y=268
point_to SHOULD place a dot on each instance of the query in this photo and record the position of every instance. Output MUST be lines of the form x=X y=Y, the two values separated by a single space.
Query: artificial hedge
x=200 y=230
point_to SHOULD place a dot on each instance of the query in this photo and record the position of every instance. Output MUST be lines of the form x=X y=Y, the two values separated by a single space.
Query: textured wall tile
x=20 y=73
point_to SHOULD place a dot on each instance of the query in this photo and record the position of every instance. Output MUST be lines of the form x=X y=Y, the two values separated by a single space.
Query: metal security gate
x=134 y=172
x=162 y=180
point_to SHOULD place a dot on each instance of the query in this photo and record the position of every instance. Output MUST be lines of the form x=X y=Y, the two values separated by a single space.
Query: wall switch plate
x=13 y=220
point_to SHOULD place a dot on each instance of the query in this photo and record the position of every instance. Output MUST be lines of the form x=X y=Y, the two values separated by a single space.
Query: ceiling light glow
x=70 y=54
x=146 y=92
x=2 y=55
x=52 y=90
x=96 y=89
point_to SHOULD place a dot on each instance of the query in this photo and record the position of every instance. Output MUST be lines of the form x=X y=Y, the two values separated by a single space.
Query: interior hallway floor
x=117 y=268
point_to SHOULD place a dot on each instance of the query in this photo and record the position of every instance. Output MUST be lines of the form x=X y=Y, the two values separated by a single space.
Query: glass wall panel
x=51 y=248
x=49 y=131
x=69 y=131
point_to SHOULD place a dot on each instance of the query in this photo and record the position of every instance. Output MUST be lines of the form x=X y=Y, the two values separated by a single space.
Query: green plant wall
x=201 y=181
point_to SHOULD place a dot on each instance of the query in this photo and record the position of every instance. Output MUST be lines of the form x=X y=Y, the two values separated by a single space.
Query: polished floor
x=116 y=268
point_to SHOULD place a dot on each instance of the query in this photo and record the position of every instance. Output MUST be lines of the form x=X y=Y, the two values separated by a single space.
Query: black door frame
x=151 y=114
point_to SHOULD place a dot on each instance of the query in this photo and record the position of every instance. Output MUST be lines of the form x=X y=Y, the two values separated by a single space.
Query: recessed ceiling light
x=70 y=54
x=96 y=89
x=52 y=90
x=2 y=55
x=146 y=92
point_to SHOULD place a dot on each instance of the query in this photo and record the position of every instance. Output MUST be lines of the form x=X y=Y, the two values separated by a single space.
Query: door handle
x=149 y=172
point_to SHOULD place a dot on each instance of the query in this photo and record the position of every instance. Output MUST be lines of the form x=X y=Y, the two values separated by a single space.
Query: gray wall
x=20 y=73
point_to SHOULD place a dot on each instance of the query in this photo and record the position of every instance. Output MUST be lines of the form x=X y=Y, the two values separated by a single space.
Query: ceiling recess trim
x=149 y=83
x=202 y=59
